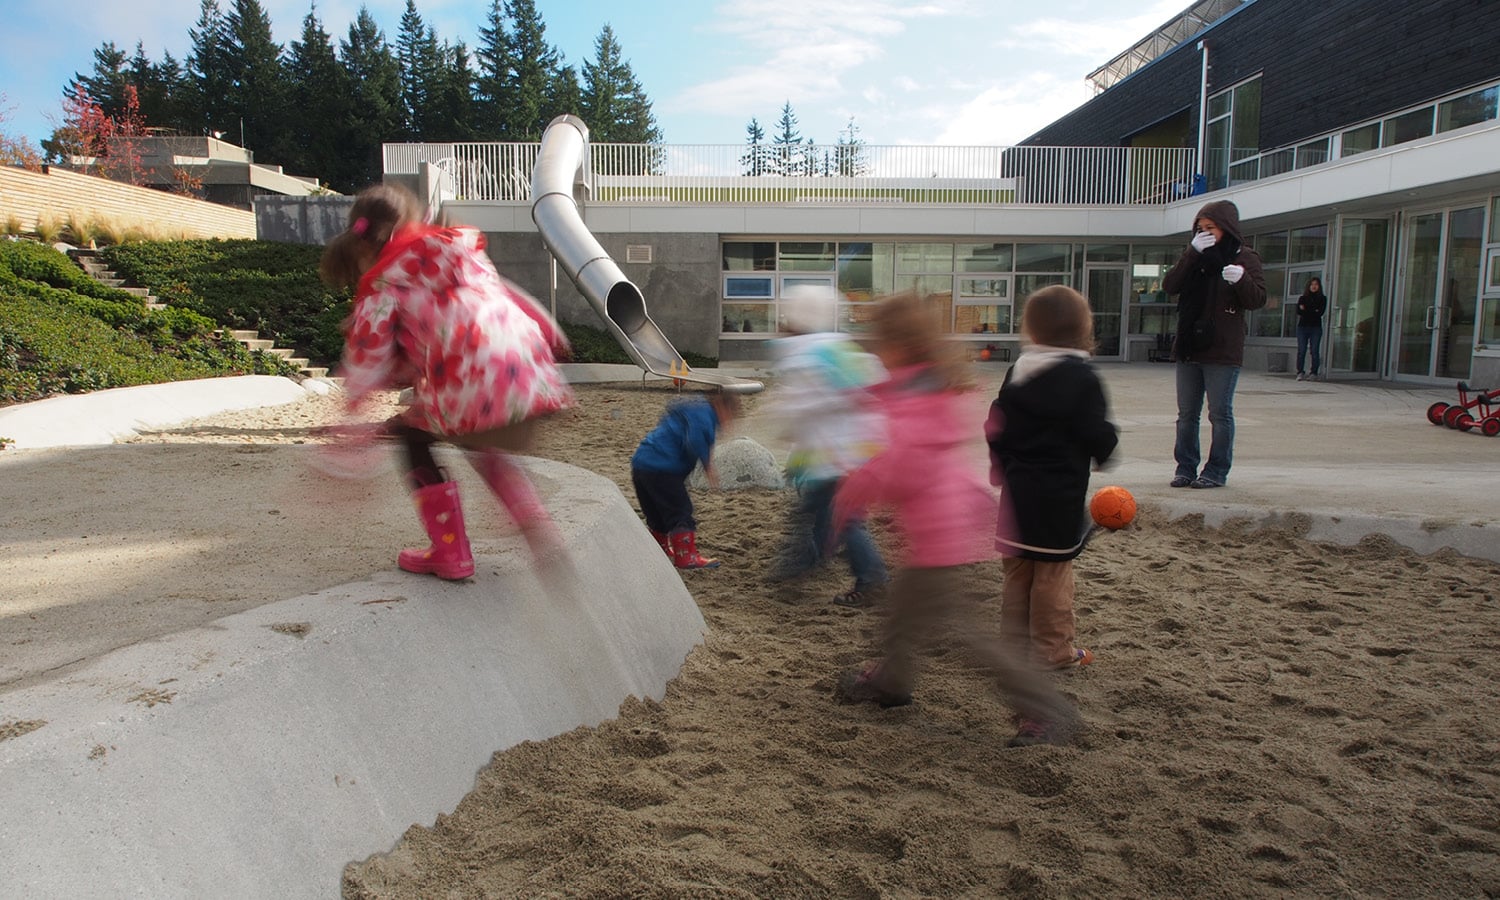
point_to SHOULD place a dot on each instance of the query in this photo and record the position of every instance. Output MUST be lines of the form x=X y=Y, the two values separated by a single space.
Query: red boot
x=449 y=556
x=685 y=551
x=666 y=546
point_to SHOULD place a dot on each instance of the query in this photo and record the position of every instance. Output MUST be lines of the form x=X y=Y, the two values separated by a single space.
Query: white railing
x=738 y=173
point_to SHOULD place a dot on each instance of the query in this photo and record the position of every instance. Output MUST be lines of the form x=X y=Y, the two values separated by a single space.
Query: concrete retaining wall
x=257 y=757
x=301 y=220
x=58 y=192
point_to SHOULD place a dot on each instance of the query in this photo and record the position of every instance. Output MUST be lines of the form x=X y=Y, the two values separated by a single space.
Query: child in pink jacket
x=431 y=313
x=945 y=513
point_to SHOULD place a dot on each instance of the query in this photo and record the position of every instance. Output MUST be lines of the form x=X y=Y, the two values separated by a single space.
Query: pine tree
x=787 y=158
x=849 y=153
x=320 y=97
x=534 y=66
x=417 y=52
x=757 y=159
x=492 y=85
x=207 y=82
x=451 y=113
x=105 y=84
x=375 y=95
x=615 y=105
x=564 y=95
x=258 y=84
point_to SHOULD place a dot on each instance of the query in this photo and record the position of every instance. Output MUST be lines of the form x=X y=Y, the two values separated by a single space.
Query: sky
x=936 y=72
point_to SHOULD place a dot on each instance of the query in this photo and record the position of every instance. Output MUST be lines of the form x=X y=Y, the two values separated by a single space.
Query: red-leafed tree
x=95 y=141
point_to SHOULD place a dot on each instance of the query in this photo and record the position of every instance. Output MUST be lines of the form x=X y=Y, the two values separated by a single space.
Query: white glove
x=1233 y=274
x=1203 y=240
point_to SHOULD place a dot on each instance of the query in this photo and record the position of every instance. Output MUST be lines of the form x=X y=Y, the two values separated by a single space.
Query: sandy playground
x=1267 y=715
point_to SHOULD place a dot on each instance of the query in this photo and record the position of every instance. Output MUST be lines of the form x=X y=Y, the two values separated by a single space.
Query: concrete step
x=244 y=335
x=137 y=291
x=110 y=282
x=263 y=345
x=150 y=305
x=284 y=352
x=298 y=361
x=314 y=371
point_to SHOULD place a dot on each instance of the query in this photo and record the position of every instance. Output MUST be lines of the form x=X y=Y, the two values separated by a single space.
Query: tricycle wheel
x=1450 y=416
x=1435 y=412
x=1464 y=422
x=1491 y=426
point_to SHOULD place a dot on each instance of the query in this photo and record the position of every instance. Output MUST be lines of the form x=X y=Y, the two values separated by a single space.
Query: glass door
x=1357 y=296
x=1106 y=288
x=1440 y=290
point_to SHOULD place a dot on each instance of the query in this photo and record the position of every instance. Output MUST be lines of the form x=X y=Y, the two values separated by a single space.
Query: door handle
x=1430 y=320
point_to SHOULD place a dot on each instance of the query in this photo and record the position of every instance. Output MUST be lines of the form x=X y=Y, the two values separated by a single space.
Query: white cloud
x=1006 y=114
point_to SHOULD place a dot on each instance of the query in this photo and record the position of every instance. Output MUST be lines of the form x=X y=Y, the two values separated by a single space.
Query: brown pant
x=1036 y=608
x=928 y=606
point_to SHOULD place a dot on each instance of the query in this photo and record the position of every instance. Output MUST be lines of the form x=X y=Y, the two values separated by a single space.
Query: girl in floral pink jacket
x=431 y=313
x=945 y=514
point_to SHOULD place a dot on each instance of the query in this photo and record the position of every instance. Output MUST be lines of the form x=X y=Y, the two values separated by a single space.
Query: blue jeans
x=1195 y=381
x=809 y=543
x=1310 y=336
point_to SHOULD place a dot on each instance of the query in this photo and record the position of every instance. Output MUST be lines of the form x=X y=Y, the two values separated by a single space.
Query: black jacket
x=1210 y=311
x=1310 y=309
x=1043 y=435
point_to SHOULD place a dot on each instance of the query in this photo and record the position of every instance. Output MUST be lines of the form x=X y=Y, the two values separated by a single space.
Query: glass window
x=1309 y=244
x=1312 y=153
x=1043 y=258
x=1217 y=153
x=926 y=285
x=749 y=287
x=1028 y=284
x=984 y=287
x=985 y=257
x=1107 y=253
x=1266 y=322
x=749 y=318
x=807 y=256
x=1358 y=140
x=1407 y=127
x=865 y=270
x=748 y=256
x=1271 y=247
x=973 y=318
x=1495 y=220
x=1246 y=117
x=1278 y=162
x=1470 y=109
x=1148 y=255
x=1218 y=105
x=1240 y=172
x=924 y=257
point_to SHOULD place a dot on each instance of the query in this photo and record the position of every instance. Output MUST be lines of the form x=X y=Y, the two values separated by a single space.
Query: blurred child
x=1048 y=423
x=943 y=510
x=821 y=402
x=683 y=438
x=431 y=313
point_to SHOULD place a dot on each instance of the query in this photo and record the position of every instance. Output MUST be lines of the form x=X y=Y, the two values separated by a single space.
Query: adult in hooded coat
x=1217 y=280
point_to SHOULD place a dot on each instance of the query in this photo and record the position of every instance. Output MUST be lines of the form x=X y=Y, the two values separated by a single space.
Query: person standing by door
x=1216 y=280
x=1310 y=308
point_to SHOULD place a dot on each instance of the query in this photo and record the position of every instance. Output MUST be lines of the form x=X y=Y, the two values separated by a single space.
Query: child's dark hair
x=377 y=212
x=913 y=327
x=1058 y=316
x=725 y=402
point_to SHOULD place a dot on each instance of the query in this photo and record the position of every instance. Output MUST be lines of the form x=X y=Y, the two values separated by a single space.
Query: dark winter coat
x=1044 y=433
x=1210 y=311
x=682 y=440
x=1310 y=309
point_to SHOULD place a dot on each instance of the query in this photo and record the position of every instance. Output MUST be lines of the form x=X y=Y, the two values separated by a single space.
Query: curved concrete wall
x=255 y=758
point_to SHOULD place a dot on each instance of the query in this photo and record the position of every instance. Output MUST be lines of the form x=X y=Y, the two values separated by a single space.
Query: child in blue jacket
x=659 y=470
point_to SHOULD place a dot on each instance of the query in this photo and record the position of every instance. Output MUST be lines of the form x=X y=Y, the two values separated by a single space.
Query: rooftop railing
x=839 y=173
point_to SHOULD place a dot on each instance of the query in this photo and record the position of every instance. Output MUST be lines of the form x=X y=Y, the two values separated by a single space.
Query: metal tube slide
x=558 y=186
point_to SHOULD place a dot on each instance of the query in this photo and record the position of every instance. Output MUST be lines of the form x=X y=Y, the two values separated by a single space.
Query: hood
x=921 y=412
x=1044 y=395
x=1224 y=214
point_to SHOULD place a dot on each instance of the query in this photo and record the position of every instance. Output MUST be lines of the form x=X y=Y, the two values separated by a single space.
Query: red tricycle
x=1475 y=406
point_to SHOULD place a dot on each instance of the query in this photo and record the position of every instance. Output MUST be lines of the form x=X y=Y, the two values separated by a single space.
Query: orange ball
x=1113 y=507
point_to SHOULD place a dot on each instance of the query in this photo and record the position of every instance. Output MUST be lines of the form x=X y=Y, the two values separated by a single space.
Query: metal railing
x=739 y=173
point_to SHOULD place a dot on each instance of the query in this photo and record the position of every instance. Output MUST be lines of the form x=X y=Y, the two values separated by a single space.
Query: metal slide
x=557 y=188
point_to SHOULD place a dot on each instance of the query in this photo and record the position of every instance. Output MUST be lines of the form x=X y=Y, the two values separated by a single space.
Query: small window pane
x=1267 y=322
x=749 y=286
x=1408 y=127
x=926 y=285
x=1358 y=140
x=1027 y=284
x=924 y=257
x=1246 y=138
x=984 y=287
x=1043 y=257
x=1217 y=167
x=1489 y=321
x=985 y=257
x=789 y=282
x=1470 y=109
x=1278 y=162
x=1107 y=253
x=1271 y=247
x=981 y=319
x=865 y=270
x=1312 y=153
x=750 y=256
x=807 y=256
x=1218 y=105
x=1309 y=244
x=1148 y=255
x=1249 y=170
x=1495 y=221
x=747 y=318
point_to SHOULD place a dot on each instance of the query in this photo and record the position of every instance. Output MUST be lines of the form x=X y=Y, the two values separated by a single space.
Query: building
x=1358 y=137
x=202 y=167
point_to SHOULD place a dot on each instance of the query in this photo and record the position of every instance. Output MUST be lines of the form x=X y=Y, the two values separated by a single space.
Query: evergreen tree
x=757 y=159
x=564 y=95
x=451 y=98
x=375 y=96
x=615 y=105
x=849 y=153
x=492 y=85
x=534 y=65
x=787 y=158
x=207 y=83
x=105 y=84
x=320 y=99
x=160 y=87
x=418 y=53
x=258 y=84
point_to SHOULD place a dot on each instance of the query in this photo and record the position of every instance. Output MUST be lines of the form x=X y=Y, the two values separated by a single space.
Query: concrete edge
x=260 y=754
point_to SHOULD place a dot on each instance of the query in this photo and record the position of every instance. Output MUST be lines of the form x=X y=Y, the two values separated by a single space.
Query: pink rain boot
x=685 y=552
x=520 y=499
x=449 y=556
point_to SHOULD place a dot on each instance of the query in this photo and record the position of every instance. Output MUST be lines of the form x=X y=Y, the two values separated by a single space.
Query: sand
x=1266 y=716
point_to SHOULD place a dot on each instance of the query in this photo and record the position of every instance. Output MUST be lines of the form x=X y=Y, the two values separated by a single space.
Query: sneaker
x=1080 y=657
x=1180 y=481
x=1201 y=482
x=859 y=599
x=1033 y=732
x=859 y=686
x=1301 y=377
